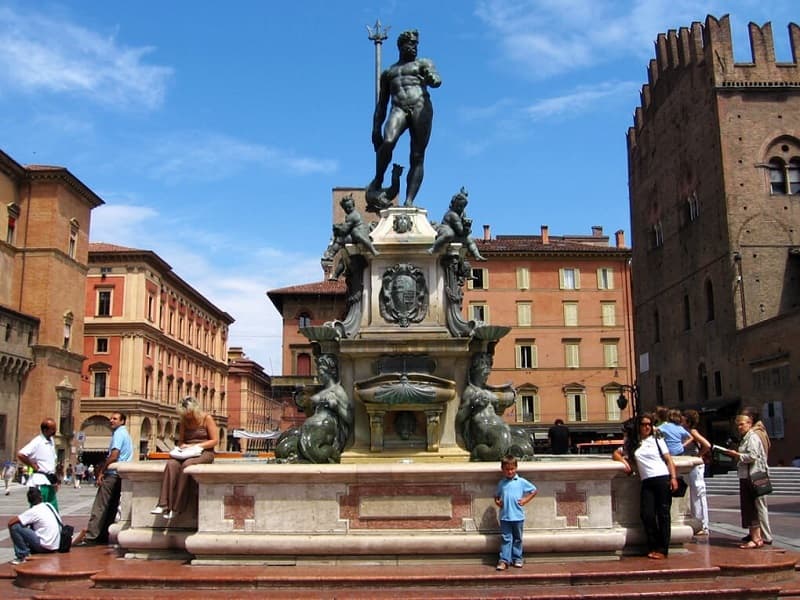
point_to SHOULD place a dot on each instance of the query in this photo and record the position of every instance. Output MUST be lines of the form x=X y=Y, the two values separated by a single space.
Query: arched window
x=793 y=175
x=304 y=320
x=782 y=160
x=777 y=176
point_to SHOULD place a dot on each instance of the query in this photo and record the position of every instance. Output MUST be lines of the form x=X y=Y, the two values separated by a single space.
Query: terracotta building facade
x=714 y=172
x=569 y=352
x=150 y=340
x=45 y=216
x=252 y=410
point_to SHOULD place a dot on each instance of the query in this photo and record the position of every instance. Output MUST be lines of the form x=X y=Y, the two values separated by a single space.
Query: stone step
x=716 y=569
x=785 y=482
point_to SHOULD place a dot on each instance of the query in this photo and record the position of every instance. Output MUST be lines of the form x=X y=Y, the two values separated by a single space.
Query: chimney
x=620 y=234
x=597 y=231
x=545 y=235
x=487 y=233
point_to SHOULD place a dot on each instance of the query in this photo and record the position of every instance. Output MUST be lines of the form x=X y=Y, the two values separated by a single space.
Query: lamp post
x=622 y=400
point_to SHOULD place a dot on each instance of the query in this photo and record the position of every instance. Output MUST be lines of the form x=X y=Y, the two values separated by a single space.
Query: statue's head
x=459 y=201
x=347 y=201
x=407 y=42
x=328 y=367
x=481 y=366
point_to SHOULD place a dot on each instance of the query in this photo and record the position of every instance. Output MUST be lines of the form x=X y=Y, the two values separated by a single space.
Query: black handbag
x=760 y=482
x=680 y=491
x=66 y=531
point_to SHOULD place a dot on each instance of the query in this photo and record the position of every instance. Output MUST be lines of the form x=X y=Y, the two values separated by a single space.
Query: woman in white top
x=657 y=472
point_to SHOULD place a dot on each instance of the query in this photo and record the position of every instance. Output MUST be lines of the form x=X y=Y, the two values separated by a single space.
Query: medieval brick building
x=714 y=174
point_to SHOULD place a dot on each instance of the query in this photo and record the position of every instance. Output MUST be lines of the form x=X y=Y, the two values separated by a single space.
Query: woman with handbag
x=659 y=480
x=198 y=429
x=751 y=458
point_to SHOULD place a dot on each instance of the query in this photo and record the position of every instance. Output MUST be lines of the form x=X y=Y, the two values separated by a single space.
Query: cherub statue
x=456 y=227
x=352 y=230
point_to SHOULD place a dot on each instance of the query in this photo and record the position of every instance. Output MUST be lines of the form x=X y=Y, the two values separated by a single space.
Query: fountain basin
x=386 y=513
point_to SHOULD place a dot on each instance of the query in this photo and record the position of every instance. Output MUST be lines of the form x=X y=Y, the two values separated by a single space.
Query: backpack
x=66 y=532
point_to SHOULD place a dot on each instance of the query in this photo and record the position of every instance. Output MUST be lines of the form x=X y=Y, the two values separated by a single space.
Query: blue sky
x=216 y=131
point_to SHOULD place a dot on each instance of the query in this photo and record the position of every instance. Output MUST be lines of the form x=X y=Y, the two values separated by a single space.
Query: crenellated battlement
x=710 y=47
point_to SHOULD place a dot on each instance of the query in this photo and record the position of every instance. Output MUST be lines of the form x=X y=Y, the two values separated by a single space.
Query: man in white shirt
x=36 y=530
x=40 y=455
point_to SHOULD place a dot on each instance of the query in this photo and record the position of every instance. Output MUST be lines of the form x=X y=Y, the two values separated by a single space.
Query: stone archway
x=145 y=435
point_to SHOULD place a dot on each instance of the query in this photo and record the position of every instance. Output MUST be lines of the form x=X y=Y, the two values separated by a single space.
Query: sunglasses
x=645 y=424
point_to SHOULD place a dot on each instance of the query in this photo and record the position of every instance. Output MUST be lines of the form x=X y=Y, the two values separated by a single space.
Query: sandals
x=752 y=544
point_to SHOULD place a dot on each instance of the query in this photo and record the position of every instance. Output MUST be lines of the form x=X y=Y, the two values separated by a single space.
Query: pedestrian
x=79 y=474
x=9 y=470
x=659 y=478
x=751 y=457
x=35 y=531
x=675 y=435
x=559 y=436
x=40 y=456
x=761 y=501
x=109 y=484
x=513 y=493
x=699 y=446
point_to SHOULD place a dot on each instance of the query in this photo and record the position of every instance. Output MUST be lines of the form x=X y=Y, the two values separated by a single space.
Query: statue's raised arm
x=406 y=84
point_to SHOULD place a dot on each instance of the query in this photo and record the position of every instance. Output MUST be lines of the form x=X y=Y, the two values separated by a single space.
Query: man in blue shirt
x=109 y=485
x=674 y=433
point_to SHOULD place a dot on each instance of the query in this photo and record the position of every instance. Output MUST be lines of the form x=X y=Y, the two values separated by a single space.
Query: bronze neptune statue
x=406 y=83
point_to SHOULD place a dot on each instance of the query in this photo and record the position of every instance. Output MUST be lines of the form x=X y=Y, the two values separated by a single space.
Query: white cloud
x=120 y=224
x=582 y=100
x=207 y=156
x=40 y=53
x=548 y=37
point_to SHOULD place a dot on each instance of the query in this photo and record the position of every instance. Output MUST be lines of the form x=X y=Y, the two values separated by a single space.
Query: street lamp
x=622 y=400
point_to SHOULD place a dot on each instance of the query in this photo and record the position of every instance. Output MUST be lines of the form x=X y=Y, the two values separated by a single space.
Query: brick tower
x=714 y=177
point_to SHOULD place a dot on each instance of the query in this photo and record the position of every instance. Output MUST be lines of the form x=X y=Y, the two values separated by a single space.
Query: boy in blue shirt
x=513 y=492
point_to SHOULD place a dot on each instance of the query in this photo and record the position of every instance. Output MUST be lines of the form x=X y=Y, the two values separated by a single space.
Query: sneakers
x=169 y=514
x=158 y=510
x=501 y=566
x=19 y=561
x=517 y=564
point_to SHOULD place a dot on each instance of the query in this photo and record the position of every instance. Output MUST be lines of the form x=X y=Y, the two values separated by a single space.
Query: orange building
x=569 y=352
x=251 y=408
x=150 y=340
x=44 y=239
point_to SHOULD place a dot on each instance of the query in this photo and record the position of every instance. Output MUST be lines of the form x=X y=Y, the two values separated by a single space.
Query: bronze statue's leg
x=395 y=126
x=420 y=133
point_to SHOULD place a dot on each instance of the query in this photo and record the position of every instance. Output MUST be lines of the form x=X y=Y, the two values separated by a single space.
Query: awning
x=256 y=435
x=96 y=443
